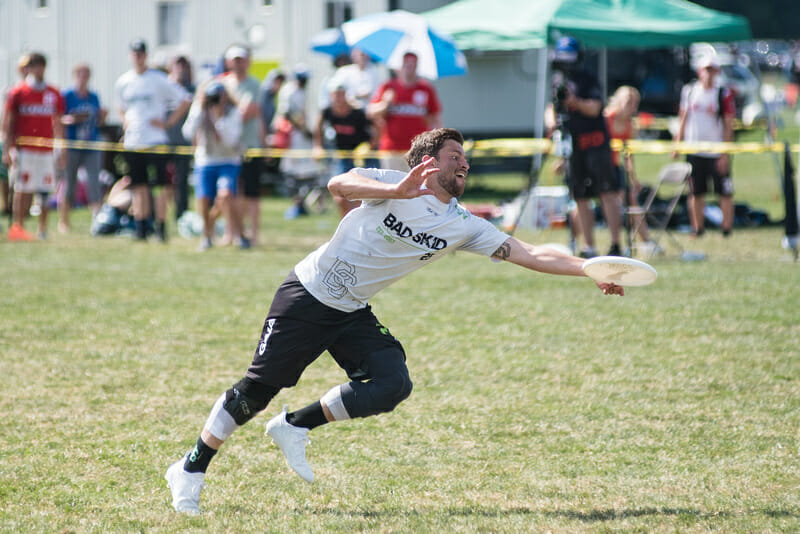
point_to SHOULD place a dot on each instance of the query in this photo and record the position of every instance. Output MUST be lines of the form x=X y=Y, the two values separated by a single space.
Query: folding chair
x=674 y=175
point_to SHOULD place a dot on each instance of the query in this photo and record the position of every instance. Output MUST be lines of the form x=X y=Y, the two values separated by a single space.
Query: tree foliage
x=769 y=19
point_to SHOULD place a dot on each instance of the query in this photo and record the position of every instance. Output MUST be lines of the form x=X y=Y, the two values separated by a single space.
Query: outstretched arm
x=353 y=186
x=547 y=260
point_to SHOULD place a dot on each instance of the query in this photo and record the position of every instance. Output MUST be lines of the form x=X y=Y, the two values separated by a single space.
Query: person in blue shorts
x=214 y=125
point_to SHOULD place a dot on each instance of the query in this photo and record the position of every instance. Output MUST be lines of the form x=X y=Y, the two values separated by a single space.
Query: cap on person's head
x=335 y=85
x=274 y=74
x=708 y=60
x=214 y=88
x=139 y=46
x=567 y=50
x=237 y=51
x=301 y=71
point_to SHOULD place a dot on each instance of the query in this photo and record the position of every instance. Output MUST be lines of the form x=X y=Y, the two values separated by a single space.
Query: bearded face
x=453 y=168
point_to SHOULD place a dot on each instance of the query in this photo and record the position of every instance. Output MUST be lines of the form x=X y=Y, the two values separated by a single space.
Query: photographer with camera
x=214 y=125
x=579 y=131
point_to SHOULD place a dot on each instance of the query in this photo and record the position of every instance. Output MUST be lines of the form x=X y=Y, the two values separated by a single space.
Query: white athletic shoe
x=185 y=488
x=292 y=440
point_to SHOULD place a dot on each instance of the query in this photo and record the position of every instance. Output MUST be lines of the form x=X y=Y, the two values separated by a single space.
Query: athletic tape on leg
x=220 y=423
x=333 y=400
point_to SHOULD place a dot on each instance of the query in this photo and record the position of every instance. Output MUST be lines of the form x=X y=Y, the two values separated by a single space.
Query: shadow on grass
x=591 y=516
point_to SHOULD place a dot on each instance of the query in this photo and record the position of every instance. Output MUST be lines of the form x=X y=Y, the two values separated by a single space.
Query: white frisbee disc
x=619 y=270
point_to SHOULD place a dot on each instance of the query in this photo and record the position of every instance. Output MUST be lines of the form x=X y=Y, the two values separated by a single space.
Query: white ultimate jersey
x=144 y=97
x=703 y=116
x=382 y=241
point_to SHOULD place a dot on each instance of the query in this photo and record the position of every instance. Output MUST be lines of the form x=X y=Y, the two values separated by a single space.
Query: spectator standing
x=244 y=89
x=144 y=95
x=339 y=62
x=351 y=128
x=402 y=108
x=577 y=110
x=292 y=102
x=619 y=113
x=83 y=115
x=268 y=95
x=360 y=78
x=706 y=114
x=32 y=109
x=214 y=125
x=179 y=71
x=5 y=189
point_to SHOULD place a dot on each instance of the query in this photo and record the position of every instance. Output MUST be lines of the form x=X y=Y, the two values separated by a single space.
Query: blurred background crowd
x=188 y=121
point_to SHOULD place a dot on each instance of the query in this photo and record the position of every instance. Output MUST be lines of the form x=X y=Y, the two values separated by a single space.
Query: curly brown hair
x=429 y=143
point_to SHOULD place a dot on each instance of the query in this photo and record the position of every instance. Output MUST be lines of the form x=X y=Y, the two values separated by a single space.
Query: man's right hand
x=411 y=185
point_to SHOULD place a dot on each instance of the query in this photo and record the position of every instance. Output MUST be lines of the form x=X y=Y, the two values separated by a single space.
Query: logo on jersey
x=267 y=331
x=403 y=231
x=420 y=98
x=339 y=277
x=41 y=110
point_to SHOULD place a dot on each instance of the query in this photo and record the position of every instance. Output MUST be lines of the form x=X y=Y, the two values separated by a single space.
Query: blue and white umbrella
x=388 y=36
x=330 y=41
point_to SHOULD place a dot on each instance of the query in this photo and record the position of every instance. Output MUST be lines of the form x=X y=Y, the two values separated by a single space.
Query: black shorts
x=591 y=173
x=146 y=168
x=703 y=169
x=250 y=177
x=299 y=328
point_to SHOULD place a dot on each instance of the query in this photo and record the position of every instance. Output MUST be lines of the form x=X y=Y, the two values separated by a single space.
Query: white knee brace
x=333 y=400
x=220 y=423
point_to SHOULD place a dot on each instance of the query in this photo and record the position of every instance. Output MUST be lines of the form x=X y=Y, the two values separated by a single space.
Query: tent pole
x=539 y=103
x=602 y=72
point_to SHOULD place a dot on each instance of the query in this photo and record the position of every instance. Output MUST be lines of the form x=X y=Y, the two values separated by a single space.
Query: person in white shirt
x=244 y=88
x=144 y=97
x=406 y=221
x=706 y=114
x=214 y=125
x=360 y=78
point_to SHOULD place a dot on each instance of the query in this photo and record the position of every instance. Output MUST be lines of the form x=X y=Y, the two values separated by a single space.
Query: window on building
x=41 y=4
x=171 y=16
x=338 y=12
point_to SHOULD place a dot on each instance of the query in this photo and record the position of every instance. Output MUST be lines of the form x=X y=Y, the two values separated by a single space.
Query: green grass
x=539 y=404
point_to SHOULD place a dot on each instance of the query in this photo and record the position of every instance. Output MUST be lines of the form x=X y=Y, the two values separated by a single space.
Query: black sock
x=309 y=417
x=141 y=229
x=161 y=230
x=199 y=458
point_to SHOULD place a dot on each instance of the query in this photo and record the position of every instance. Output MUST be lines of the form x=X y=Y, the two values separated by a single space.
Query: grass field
x=539 y=404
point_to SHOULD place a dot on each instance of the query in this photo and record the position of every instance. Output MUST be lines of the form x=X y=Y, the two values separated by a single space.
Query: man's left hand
x=611 y=289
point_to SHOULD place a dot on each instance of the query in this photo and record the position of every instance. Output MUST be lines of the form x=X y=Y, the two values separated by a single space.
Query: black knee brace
x=379 y=395
x=246 y=398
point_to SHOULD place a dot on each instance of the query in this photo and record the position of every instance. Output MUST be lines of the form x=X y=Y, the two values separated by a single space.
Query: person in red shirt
x=402 y=108
x=32 y=120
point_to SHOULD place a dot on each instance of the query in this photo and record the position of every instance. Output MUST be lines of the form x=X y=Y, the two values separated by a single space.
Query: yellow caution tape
x=664 y=123
x=476 y=149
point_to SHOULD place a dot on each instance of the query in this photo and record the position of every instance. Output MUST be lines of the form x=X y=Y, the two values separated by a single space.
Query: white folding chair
x=676 y=176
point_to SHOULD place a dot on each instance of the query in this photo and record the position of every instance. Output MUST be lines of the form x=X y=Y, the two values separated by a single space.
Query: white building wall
x=496 y=96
